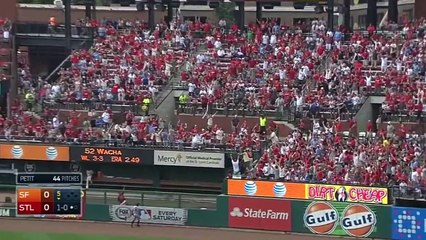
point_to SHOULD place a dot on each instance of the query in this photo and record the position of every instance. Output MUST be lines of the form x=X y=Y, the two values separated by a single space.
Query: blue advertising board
x=408 y=223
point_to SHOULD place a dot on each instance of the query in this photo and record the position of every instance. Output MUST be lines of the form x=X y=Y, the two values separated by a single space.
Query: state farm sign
x=257 y=213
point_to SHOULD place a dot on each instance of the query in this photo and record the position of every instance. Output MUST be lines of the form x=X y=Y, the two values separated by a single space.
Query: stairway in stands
x=165 y=102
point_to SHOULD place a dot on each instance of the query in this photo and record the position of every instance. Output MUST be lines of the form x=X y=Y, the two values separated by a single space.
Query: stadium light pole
x=393 y=11
x=259 y=11
x=330 y=14
x=347 y=10
x=67 y=8
x=372 y=12
x=151 y=14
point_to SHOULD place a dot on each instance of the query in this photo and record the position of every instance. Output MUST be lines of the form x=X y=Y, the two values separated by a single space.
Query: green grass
x=58 y=236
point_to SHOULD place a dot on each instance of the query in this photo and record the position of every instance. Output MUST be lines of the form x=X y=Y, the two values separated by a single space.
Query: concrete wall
x=286 y=12
x=42 y=13
x=8 y=9
x=420 y=9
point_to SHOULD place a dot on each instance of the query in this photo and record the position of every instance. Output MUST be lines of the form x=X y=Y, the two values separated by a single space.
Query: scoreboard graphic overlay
x=48 y=194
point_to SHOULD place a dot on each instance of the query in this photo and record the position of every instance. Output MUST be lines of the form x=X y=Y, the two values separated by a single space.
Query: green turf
x=57 y=236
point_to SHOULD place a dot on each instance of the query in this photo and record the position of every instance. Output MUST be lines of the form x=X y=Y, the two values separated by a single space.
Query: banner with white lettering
x=172 y=216
x=189 y=159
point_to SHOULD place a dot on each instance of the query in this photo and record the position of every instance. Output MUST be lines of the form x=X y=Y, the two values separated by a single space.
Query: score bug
x=49 y=201
x=49 y=178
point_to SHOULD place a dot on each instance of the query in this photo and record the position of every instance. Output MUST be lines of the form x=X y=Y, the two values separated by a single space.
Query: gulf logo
x=358 y=220
x=321 y=218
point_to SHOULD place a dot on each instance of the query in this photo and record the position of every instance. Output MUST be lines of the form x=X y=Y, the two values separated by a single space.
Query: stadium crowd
x=269 y=67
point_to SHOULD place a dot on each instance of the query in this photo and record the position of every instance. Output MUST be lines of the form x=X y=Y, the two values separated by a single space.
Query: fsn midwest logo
x=356 y=220
x=172 y=160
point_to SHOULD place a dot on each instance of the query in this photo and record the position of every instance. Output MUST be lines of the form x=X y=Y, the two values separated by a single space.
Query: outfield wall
x=308 y=217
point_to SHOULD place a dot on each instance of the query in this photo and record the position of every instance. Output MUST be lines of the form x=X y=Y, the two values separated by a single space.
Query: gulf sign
x=356 y=220
x=288 y=190
x=346 y=193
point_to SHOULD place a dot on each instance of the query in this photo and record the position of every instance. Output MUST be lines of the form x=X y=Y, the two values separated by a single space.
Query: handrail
x=56 y=70
x=408 y=192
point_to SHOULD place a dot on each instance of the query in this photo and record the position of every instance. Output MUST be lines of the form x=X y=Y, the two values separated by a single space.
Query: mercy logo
x=172 y=160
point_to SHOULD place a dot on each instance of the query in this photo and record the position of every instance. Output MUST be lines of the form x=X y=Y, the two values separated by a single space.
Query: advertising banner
x=189 y=159
x=172 y=216
x=347 y=193
x=34 y=152
x=7 y=212
x=112 y=155
x=266 y=189
x=302 y=191
x=342 y=219
x=408 y=223
x=259 y=213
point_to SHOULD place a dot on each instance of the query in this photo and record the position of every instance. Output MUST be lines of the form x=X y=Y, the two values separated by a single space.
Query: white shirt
x=236 y=166
x=220 y=52
x=384 y=61
x=265 y=39
x=191 y=87
x=55 y=122
x=274 y=138
x=415 y=176
x=368 y=80
x=273 y=39
x=219 y=134
x=105 y=117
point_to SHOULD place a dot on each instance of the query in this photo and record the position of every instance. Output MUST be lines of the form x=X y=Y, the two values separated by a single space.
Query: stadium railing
x=177 y=145
x=196 y=109
x=409 y=192
x=42 y=29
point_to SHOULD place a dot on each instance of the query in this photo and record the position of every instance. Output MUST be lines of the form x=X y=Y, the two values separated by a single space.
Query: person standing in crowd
x=262 y=124
x=52 y=25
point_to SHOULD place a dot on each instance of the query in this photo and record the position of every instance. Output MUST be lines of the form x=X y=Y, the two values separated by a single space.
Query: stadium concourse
x=270 y=70
x=37 y=227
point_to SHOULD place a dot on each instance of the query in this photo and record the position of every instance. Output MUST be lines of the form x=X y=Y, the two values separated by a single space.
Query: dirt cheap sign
x=346 y=193
x=342 y=219
x=259 y=213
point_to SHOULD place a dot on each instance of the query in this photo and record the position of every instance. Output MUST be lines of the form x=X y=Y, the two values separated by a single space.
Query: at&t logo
x=356 y=220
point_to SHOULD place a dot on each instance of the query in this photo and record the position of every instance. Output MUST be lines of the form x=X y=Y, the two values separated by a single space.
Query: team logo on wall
x=29 y=167
x=341 y=195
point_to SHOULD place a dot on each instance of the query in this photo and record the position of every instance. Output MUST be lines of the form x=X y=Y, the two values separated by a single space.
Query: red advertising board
x=258 y=213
